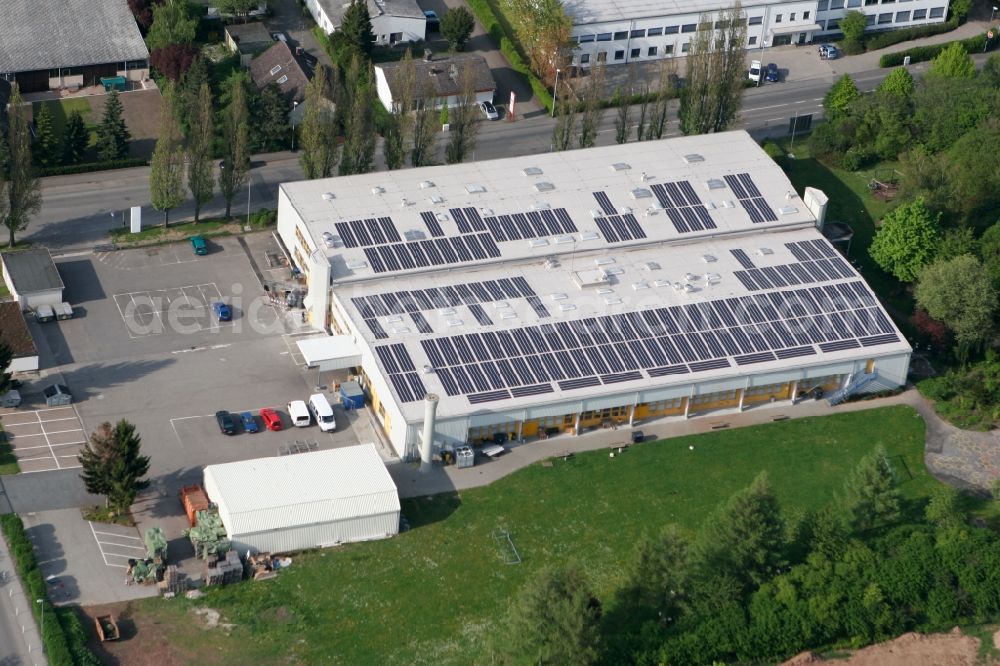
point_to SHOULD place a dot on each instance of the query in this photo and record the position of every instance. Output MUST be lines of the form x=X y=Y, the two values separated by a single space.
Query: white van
x=299 y=414
x=321 y=409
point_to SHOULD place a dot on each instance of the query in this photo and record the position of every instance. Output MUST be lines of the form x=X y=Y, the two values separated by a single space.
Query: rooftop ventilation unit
x=691 y=277
x=454 y=322
x=713 y=278
x=541 y=205
x=474 y=188
x=510 y=314
x=428 y=370
x=400 y=330
x=716 y=184
x=604 y=261
x=357 y=265
x=441 y=217
x=708 y=258
x=764 y=251
x=562 y=240
x=537 y=242
x=641 y=193
x=595 y=213
x=661 y=283
x=590 y=235
x=551 y=263
x=275 y=69
x=283 y=79
x=693 y=158
x=614 y=271
x=544 y=186
x=426 y=185
x=728 y=204
x=651 y=266
x=446 y=312
x=605 y=290
x=393 y=319
x=566 y=307
x=437 y=199
x=486 y=212
x=501 y=305
x=638 y=286
x=559 y=296
x=378 y=189
x=612 y=300
x=328 y=196
x=788 y=210
x=689 y=289
x=620 y=166
x=531 y=171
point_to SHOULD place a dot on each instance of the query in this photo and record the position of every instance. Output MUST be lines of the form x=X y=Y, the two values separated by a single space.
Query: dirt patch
x=951 y=649
x=144 y=641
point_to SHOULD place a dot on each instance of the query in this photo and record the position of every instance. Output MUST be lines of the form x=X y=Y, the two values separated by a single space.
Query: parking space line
x=59 y=432
x=122 y=545
x=115 y=534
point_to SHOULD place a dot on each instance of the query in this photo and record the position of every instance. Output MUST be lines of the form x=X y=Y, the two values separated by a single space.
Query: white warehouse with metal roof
x=555 y=293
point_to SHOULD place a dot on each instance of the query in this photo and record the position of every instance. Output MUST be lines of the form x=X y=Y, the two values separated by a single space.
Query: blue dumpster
x=352 y=395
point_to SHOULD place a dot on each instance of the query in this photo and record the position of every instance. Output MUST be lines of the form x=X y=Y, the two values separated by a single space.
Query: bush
x=924 y=53
x=775 y=152
x=64 y=638
x=263 y=218
x=87 y=167
x=880 y=40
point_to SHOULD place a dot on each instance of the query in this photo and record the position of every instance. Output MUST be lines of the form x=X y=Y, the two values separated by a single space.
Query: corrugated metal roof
x=303 y=489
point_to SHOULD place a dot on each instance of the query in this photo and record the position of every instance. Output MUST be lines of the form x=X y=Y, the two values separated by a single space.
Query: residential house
x=281 y=66
x=247 y=39
x=444 y=75
x=393 y=21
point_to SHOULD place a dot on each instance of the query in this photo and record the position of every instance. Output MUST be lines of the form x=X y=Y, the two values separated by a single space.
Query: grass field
x=61 y=109
x=435 y=593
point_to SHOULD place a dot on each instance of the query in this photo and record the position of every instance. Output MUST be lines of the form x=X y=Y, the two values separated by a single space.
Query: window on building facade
x=604 y=37
x=685 y=47
x=870 y=19
x=621 y=34
x=668 y=49
x=602 y=56
x=777 y=19
x=919 y=14
x=654 y=32
x=853 y=3
x=886 y=2
x=805 y=16
x=937 y=12
x=584 y=58
x=885 y=18
x=620 y=54
x=586 y=38
x=755 y=20
x=833 y=24
x=638 y=33
x=822 y=5
x=902 y=17
x=752 y=40
x=670 y=30
x=791 y=17
x=689 y=27
x=635 y=53
x=836 y=4
x=651 y=51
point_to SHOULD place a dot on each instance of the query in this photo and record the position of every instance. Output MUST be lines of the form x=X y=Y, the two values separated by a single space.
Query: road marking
x=115 y=534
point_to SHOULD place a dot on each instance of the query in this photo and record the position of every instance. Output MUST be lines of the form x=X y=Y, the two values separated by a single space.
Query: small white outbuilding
x=307 y=500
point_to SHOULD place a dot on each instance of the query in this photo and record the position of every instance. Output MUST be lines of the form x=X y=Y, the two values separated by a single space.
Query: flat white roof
x=301 y=489
x=330 y=352
x=694 y=260
x=603 y=11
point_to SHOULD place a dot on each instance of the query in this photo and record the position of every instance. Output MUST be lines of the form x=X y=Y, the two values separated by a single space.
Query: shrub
x=775 y=152
x=93 y=166
x=924 y=53
x=880 y=40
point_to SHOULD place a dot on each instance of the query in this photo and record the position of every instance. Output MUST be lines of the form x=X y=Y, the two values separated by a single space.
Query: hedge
x=923 y=53
x=64 y=637
x=880 y=40
x=87 y=167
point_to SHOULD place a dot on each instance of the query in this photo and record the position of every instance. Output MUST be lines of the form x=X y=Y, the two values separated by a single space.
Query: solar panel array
x=819 y=262
x=605 y=203
x=423 y=300
x=697 y=337
x=533 y=224
x=750 y=198
x=617 y=228
x=430 y=219
x=401 y=372
x=683 y=206
x=365 y=233
x=742 y=257
x=433 y=252
x=480 y=314
x=468 y=220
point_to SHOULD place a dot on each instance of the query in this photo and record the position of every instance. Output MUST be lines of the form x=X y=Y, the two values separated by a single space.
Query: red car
x=271 y=419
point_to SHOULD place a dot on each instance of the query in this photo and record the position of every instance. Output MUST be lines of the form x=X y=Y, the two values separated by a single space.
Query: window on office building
x=622 y=34
x=822 y=5
x=604 y=37
x=638 y=33
x=885 y=18
x=671 y=30
x=902 y=17
x=805 y=16
x=620 y=54
x=869 y=3
x=654 y=32
x=651 y=51
x=668 y=49
x=791 y=17
x=752 y=40
x=886 y=2
x=689 y=27
x=870 y=19
x=584 y=58
x=853 y=3
x=937 y=12
x=833 y=24
x=586 y=38
x=836 y=4
x=685 y=47
x=919 y=14
x=755 y=20
x=777 y=19
x=635 y=53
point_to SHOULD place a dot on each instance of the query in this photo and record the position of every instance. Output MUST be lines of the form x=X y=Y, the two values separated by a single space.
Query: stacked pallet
x=261 y=566
x=173 y=582
x=225 y=571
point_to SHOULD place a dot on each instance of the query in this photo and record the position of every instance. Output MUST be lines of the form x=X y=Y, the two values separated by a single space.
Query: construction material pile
x=224 y=571
x=173 y=583
x=208 y=536
x=194 y=500
x=156 y=545
x=142 y=571
x=261 y=566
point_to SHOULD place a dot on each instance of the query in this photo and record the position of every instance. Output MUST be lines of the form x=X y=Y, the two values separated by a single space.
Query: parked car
x=222 y=311
x=489 y=110
x=249 y=422
x=279 y=37
x=299 y=413
x=754 y=73
x=828 y=51
x=433 y=22
x=199 y=245
x=772 y=72
x=226 y=422
x=271 y=419
x=323 y=412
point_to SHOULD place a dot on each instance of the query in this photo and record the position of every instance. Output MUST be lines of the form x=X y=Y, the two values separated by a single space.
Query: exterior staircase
x=855 y=383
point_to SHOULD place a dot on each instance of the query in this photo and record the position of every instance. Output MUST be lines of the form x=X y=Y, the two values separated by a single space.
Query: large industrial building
x=555 y=293
x=616 y=32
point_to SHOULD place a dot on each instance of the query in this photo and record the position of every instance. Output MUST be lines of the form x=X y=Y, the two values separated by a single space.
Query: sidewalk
x=15 y=605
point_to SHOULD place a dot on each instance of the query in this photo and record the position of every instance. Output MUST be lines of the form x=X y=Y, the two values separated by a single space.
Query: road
x=78 y=210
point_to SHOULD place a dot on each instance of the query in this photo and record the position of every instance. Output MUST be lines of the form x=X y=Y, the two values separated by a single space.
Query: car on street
x=199 y=245
x=754 y=73
x=489 y=110
x=828 y=51
x=226 y=422
x=249 y=422
x=433 y=22
x=271 y=419
x=222 y=311
x=771 y=72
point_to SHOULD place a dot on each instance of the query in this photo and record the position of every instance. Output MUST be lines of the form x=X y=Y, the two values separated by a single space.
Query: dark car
x=433 y=22
x=772 y=72
x=638 y=437
x=222 y=311
x=226 y=422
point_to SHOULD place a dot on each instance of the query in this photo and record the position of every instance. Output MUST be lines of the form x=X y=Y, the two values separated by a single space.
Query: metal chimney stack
x=427 y=445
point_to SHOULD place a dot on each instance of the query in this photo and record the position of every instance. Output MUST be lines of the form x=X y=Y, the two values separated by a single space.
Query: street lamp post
x=555 y=93
x=41 y=603
x=294 y=106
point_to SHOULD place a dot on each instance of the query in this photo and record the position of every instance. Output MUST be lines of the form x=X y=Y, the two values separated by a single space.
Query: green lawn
x=153 y=235
x=434 y=594
x=61 y=109
x=8 y=461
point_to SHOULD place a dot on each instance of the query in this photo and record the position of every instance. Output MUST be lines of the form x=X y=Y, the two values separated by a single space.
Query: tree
x=456 y=27
x=956 y=242
x=24 y=196
x=838 y=99
x=173 y=60
x=171 y=25
x=744 y=537
x=954 y=62
x=545 y=31
x=113 y=465
x=593 y=94
x=112 y=134
x=464 y=124
x=657 y=579
x=236 y=155
x=973 y=177
x=166 y=173
x=201 y=182
x=944 y=508
x=269 y=119
x=318 y=146
x=143 y=13
x=75 y=139
x=554 y=620
x=853 y=26
x=898 y=83
x=399 y=126
x=624 y=108
x=393 y=151
x=666 y=89
x=356 y=26
x=358 y=155
x=6 y=358
x=425 y=128
x=643 y=120
x=715 y=73
x=237 y=7
x=562 y=133
x=959 y=293
x=907 y=240
x=871 y=498
x=46 y=149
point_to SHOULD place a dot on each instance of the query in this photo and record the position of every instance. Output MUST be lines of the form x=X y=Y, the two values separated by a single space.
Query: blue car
x=222 y=311
x=249 y=422
x=772 y=72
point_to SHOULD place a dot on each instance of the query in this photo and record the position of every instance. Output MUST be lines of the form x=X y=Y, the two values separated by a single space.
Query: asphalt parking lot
x=44 y=439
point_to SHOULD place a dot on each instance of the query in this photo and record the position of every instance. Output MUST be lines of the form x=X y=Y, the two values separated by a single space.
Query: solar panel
x=458 y=215
x=475 y=220
x=537 y=389
x=480 y=314
x=750 y=198
x=430 y=219
x=376 y=329
x=622 y=377
x=421 y=323
x=605 y=203
x=585 y=382
x=477 y=398
x=679 y=369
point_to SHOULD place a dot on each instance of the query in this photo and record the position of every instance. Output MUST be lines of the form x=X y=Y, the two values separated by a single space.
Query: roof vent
x=446 y=312
x=551 y=263
x=400 y=330
x=713 y=278
x=708 y=258
x=637 y=286
x=488 y=212
x=558 y=296
x=594 y=213
x=689 y=288
x=764 y=251
x=378 y=189
x=275 y=69
x=661 y=283
x=283 y=79
x=437 y=199
x=537 y=242
x=501 y=305
x=693 y=158
x=454 y=322
x=605 y=290
x=788 y=210
x=651 y=266
x=474 y=188
x=604 y=261
x=544 y=186
x=612 y=300
x=357 y=265
x=620 y=166
x=614 y=271
x=716 y=184
x=441 y=217
x=510 y=314
x=328 y=196
x=728 y=204
x=590 y=235
x=424 y=185
x=541 y=205
x=393 y=319
x=562 y=240
x=428 y=370
x=566 y=307
x=532 y=171
x=691 y=277
x=641 y=193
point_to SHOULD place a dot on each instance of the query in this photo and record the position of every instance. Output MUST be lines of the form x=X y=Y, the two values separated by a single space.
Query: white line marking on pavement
x=115 y=534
